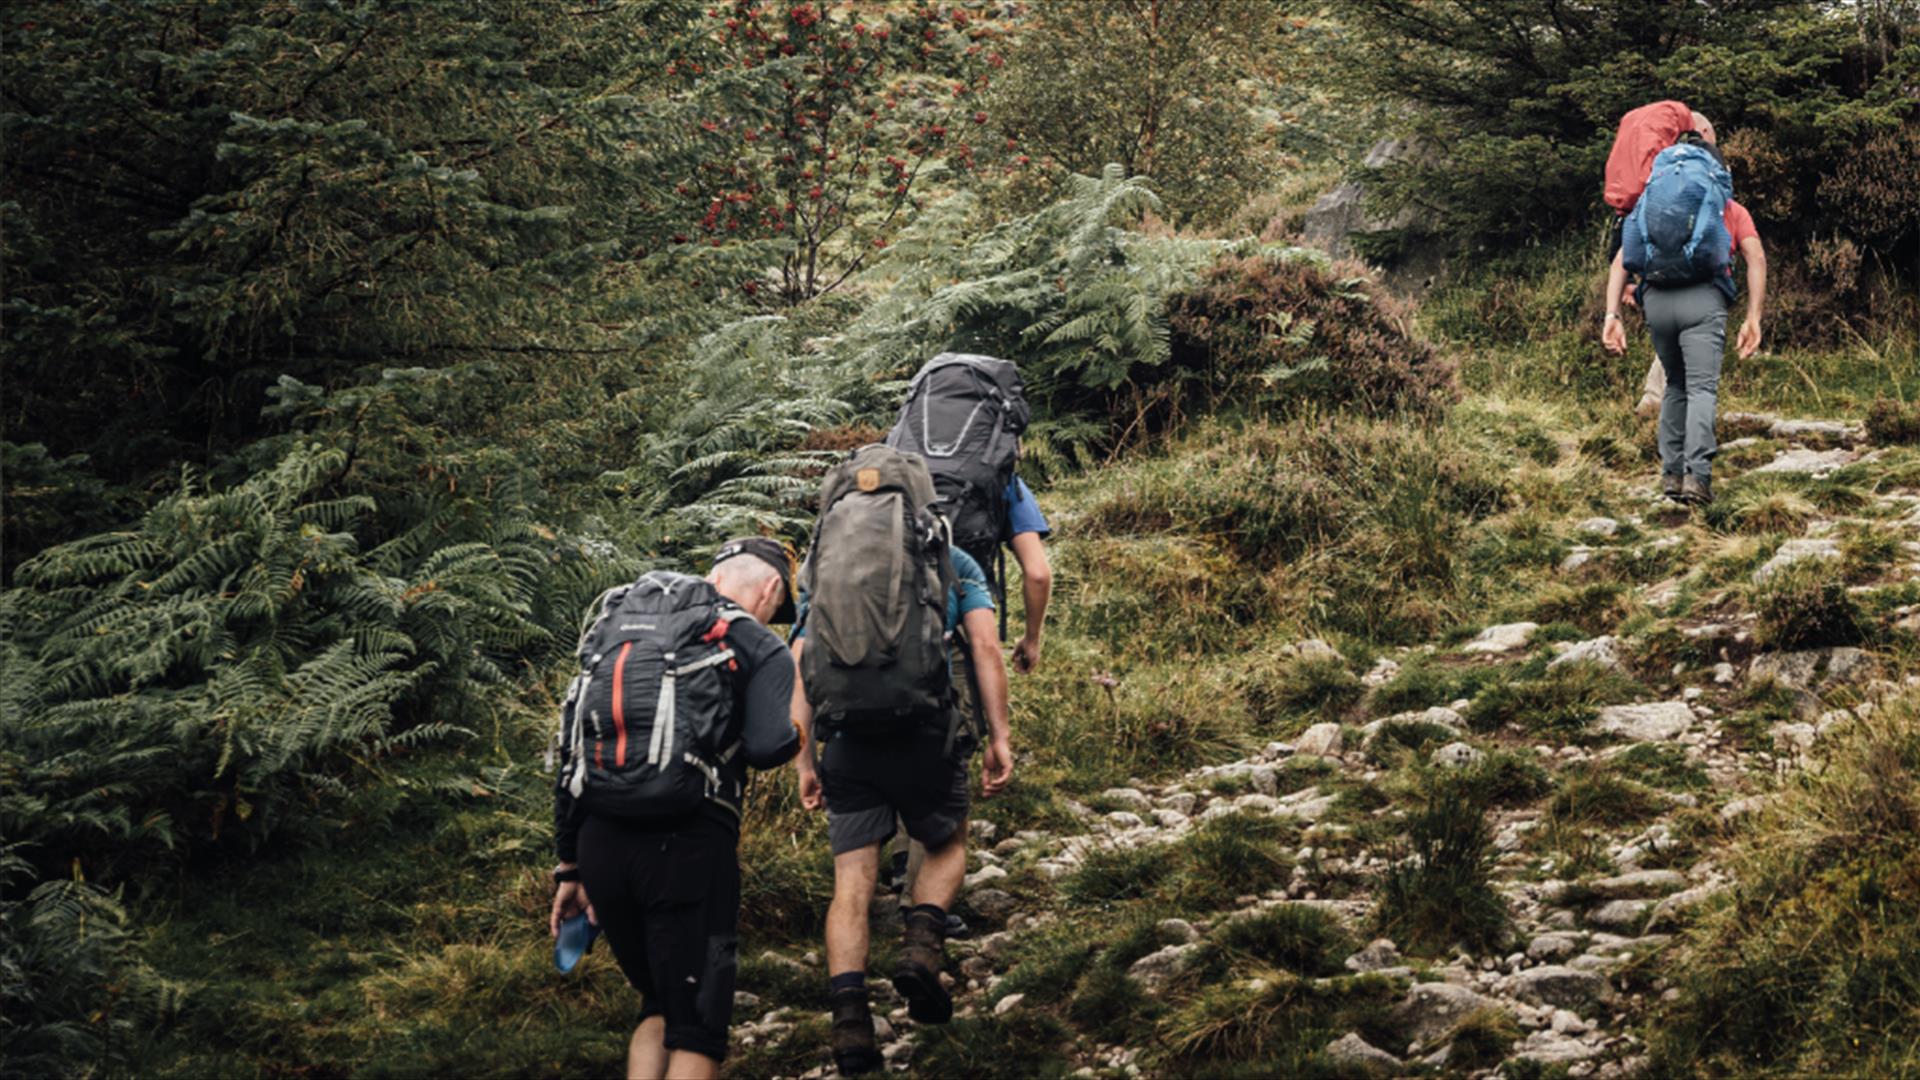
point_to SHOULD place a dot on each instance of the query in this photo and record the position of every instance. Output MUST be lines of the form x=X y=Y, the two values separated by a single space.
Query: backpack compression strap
x=661 y=748
x=1702 y=218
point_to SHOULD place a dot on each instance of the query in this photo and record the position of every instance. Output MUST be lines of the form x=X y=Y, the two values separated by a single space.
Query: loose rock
x=1381 y=953
x=1794 y=551
x=1600 y=651
x=1457 y=756
x=1432 y=1009
x=1156 y=969
x=1320 y=740
x=1657 y=722
x=1503 y=638
x=1561 y=987
x=1355 y=1053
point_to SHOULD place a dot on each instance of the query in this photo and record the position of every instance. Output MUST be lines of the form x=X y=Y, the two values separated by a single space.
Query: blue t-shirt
x=969 y=593
x=1023 y=512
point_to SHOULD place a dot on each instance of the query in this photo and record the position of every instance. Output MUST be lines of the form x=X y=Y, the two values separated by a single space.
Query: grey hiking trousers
x=1689 y=327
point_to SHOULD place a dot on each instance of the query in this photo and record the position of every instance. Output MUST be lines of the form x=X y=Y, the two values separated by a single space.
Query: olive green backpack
x=876 y=579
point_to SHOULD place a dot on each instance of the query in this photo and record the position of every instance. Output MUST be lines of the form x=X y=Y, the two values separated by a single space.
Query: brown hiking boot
x=854 y=1050
x=1696 y=491
x=1670 y=486
x=923 y=955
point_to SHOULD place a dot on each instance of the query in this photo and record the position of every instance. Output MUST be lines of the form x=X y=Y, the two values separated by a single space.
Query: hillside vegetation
x=1388 y=721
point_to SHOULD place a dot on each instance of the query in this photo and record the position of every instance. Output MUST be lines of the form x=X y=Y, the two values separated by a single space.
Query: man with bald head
x=662 y=881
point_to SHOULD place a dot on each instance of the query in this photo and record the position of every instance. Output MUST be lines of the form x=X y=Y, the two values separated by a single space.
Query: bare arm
x=801 y=711
x=1036 y=586
x=990 y=683
x=1756 y=256
x=1613 y=333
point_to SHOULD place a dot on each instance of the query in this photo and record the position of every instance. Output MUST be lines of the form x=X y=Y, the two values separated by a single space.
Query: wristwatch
x=561 y=875
x=1609 y=317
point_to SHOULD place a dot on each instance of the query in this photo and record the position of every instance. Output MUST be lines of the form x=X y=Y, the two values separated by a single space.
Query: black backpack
x=648 y=728
x=964 y=414
x=876 y=578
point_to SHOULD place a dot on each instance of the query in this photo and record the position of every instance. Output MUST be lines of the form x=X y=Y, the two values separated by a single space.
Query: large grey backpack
x=876 y=580
x=648 y=729
x=964 y=414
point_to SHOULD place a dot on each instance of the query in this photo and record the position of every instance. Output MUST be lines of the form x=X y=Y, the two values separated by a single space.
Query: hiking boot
x=1670 y=486
x=957 y=927
x=923 y=955
x=1696 y=491
x=854 y=1050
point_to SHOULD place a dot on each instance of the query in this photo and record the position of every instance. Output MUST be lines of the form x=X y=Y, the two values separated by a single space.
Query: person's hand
x=569 y=899
x=1749 y=341
x=813 y=795
x=1613 y=335
x=997 y=768
x=1026 y=655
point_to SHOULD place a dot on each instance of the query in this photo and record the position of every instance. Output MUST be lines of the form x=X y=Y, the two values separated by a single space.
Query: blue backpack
x=1677 y=233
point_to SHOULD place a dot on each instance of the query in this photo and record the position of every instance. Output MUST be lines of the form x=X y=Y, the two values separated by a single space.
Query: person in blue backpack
x=1682 y=238
x=684 y=688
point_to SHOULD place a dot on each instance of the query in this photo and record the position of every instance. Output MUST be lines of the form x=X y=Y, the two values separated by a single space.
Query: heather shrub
x=1295 y=331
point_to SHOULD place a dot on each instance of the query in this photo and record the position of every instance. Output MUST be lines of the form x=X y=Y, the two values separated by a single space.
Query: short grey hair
x=744 y=571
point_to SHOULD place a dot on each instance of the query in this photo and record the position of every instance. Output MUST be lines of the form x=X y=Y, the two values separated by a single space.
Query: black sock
x=848 y=980
x=935 y=911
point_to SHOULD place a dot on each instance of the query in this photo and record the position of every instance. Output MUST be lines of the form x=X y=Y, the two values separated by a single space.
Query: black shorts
x=668 y=899
x=871 y=779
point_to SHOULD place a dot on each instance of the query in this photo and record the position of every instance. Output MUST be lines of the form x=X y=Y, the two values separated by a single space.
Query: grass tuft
x=1109 y=875
x=1234 y=855
x=1439 y=894
x=1300 y=939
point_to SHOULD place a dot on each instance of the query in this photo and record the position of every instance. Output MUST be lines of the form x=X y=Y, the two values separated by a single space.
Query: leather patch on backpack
x=867 y=479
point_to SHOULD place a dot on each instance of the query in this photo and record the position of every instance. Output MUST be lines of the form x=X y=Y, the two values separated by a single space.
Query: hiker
x=1643 y=133
x=683 y=687
x=878 y=607
x=964 y=414
x=1684 y=256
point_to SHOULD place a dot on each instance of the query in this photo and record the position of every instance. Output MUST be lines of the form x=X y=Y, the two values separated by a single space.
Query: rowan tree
x=859 y=107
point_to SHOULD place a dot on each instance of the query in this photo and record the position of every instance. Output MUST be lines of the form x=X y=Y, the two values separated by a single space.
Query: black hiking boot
x=854 y=1049
x=1696 y=491
x=923 y=955
x=1670 y=486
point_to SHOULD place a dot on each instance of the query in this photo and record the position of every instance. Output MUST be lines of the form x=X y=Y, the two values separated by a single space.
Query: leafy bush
x=1157 y=91
x=1439 y=893
x=1292 y=329
x=1806 y=605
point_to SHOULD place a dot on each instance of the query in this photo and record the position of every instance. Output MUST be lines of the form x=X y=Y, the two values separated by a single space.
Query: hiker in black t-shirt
x=682 y=688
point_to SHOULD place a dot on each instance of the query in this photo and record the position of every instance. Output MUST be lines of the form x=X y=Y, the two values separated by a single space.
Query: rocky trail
x=1575 y=973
